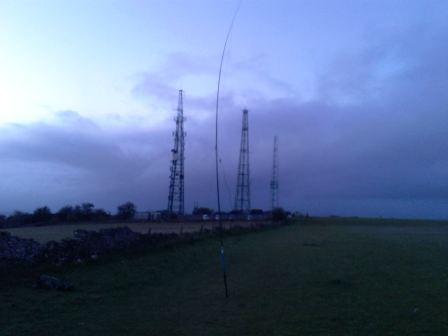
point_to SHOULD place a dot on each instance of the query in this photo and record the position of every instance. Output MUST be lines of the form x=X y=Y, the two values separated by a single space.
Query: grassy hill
x=325 y=277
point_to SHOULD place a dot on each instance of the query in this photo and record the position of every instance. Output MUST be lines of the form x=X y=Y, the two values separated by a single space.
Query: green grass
x=347 y=278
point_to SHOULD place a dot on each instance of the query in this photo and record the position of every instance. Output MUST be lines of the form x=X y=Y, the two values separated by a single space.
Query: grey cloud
x=255 y=66
x=384 y=142
x=160 y=84
x=75 y=154
x=381 y=151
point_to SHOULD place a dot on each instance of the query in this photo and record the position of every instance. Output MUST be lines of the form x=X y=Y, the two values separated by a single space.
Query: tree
x=19 y=218
x=42 y=215
x=278 y=214
x=87 y=211
x=126 y=210
x=100 y=214
x=66 y=214
x=2 y=220
x=83 y=212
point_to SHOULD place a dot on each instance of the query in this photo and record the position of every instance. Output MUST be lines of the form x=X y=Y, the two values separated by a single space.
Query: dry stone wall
x=91 y=245
x=15 y=248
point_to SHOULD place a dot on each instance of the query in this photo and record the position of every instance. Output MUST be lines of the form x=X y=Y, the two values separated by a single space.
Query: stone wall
x=86 y=245
x=15 y=248
x=91 y=245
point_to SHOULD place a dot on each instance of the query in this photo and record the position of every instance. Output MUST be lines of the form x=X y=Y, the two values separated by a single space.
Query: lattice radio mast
x=242 y=199
x=176 y=191
x=274 y=180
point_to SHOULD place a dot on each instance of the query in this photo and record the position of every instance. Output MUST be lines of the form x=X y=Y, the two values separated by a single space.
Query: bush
x=278 y=214
x=126 y=211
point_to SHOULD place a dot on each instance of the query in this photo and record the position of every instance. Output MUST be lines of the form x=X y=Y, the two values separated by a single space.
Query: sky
x=356 y=92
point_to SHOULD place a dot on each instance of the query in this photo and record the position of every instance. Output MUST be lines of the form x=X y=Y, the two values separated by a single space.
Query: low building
x=141 y=216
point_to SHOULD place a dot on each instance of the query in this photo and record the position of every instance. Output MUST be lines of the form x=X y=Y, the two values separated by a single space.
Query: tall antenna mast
x=176 y=190
x=274 y=180
x=242 y=199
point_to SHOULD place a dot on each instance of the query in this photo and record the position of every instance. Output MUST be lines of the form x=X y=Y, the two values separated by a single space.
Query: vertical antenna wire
x=223 y=263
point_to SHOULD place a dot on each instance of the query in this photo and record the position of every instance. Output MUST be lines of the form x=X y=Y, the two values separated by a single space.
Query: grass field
x=44 y=234
x=326 y=277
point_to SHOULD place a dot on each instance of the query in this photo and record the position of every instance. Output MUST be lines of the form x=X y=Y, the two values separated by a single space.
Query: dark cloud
x=77 y=160
x=372 y=142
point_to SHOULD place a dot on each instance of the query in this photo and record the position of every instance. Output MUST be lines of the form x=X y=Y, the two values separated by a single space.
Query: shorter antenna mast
x=242 y=198
x=274 y=179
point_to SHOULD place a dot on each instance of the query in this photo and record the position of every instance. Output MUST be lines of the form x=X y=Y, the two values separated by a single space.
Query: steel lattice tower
x=274 y=179
x=176 y=191
x=242 y=199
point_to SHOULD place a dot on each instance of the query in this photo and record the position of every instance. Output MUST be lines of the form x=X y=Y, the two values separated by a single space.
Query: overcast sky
x=357 y=92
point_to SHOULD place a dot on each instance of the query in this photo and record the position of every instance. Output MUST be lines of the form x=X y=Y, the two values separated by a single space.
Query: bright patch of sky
x=86 y=55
